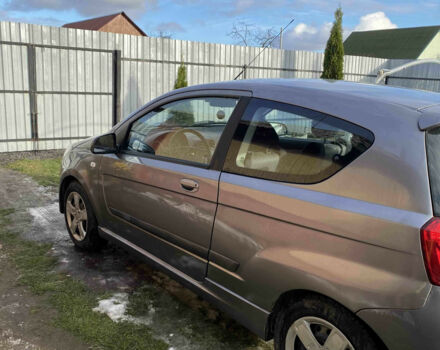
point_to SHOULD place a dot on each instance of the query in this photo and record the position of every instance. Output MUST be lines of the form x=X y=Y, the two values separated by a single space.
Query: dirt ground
x=24 y=319
x=176 y=315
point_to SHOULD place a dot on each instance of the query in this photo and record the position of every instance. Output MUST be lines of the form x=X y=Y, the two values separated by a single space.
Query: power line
x=264 y=48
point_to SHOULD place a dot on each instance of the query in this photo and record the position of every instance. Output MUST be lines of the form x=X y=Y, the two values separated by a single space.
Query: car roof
x=371 y=106
x=409 y=98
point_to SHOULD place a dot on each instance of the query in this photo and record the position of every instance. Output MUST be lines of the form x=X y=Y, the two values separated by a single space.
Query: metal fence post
x=32 y=79
x=116 y=86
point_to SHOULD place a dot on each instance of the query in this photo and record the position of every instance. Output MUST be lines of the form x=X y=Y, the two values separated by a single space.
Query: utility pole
x=281 y=38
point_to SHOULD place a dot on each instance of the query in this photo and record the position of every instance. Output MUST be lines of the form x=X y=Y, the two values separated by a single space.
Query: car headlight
x=66 y=158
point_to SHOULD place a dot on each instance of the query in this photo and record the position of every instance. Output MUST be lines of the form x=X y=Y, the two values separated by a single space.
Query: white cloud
x=307 y=37
x=375 y=21
x=304 y=29
x=84 y=7
x=313 y=38
x=8 y=16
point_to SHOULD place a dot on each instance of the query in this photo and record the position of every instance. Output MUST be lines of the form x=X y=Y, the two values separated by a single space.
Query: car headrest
x=266 y=136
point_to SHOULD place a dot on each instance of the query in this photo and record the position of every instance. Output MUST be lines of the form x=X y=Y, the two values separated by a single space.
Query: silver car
x=307 y=209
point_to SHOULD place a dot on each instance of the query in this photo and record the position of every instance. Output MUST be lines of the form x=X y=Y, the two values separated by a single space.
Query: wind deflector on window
x=430 y=118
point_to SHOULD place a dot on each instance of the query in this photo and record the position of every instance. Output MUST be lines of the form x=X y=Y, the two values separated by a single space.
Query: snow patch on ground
x=115 y=307
x=48 y=223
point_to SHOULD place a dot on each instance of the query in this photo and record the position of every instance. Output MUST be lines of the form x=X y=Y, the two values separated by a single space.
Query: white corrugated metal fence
x=71 y=75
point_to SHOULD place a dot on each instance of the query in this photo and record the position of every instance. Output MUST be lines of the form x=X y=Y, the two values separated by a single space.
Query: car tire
x=320 y=322
x=80 y=219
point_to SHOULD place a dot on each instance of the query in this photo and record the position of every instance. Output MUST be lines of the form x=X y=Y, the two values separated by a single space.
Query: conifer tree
x=334 y=51
x=181 y=77
x=182 y=116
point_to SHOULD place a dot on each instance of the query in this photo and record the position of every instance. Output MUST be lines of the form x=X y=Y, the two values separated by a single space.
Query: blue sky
x=211 y=21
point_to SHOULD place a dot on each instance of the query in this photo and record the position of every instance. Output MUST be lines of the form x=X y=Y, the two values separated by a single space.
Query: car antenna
x=263 y=48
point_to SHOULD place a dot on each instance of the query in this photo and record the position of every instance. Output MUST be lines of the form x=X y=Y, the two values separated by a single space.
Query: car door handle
x=189 y=185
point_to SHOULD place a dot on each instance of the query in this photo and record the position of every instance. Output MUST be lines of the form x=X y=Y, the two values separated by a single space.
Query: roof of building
x=405 y=43
x=99 y=22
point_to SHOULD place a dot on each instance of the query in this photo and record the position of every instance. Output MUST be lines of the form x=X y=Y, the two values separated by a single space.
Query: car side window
x=187 y=130
x=282 y=142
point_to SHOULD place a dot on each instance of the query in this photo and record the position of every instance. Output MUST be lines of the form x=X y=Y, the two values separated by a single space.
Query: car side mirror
x=105 y=144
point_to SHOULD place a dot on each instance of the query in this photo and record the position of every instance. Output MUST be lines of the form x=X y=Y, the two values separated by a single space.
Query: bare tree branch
x=264 y=36
x=241 y=32
x=247 y=34
x=162 y=34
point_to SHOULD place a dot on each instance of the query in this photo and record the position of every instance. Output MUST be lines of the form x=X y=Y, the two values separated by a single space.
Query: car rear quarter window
x=282 y=142
x=433 y=154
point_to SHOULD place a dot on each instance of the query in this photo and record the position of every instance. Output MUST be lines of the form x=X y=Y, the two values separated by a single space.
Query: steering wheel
x=191 y=153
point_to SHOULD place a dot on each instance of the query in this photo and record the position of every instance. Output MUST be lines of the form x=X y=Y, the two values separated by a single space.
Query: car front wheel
x=80 y=219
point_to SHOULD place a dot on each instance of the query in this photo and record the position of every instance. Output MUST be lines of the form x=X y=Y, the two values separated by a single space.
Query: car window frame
x=221 y=150
x=338 y=120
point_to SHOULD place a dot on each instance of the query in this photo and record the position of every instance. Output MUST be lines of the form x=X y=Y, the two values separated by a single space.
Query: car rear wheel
x=317 y=323
x=80 y=219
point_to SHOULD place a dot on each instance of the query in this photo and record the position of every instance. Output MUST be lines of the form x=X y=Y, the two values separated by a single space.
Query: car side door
x=272 y=211
x=161 y=188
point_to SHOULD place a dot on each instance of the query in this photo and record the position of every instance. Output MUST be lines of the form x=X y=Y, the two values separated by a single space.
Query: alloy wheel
x=314 y=333
x=76 y=214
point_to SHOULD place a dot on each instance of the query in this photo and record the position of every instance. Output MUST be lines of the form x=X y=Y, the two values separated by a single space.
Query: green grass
x=45 y=171
x=198 y=323
x=71 y=299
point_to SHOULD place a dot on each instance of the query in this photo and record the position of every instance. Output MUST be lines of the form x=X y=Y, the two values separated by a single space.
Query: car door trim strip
x=188 y=247
x=223 y=261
